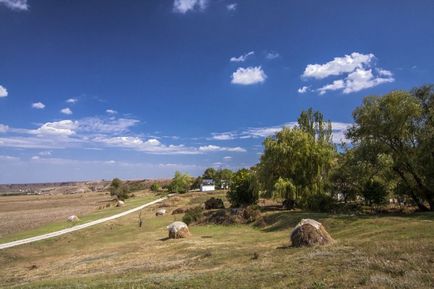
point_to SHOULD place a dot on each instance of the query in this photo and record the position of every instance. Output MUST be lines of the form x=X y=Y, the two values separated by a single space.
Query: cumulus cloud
x=359 y=72
x=338 y=65
x=184 y=6
x=303 y=89
x=72 y=100
x=3 y=91
x=66 y=110
x=242 y=58
x=111 y=111
x=249 y=75
x=58 y=128
x=15 y=4
x=232 y=6
x=222 y=136
x=38 y=105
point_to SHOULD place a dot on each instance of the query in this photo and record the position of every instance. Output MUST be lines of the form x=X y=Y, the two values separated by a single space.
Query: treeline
x=390 y=156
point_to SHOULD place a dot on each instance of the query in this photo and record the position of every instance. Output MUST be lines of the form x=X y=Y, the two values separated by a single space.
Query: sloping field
x=371 y=252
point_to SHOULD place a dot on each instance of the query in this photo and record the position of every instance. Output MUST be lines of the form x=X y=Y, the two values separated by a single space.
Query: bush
x=319 y=203
x=119 y=189
x=374 y=192
x=244 y=189
x=192 y=215
x=155 y=187
x=214 y=203
x=180 y=183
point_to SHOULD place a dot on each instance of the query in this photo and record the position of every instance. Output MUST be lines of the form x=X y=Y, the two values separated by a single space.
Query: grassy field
x=370 y=252
x=45 y=213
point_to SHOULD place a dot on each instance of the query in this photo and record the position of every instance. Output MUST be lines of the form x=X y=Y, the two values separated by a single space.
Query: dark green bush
x=320 y=203
x=119 y=189
x=192 y=215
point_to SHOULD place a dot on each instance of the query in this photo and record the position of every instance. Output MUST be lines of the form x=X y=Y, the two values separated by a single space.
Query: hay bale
x=160 y=212
x=310 y=233
x=120 y=203
x=73 y=219
x=179 y=211
x=178 y=230
x=214 y=203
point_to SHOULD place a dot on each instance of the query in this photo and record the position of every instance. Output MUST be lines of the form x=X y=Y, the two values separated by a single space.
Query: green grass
x=370 y=252
x=55 y=226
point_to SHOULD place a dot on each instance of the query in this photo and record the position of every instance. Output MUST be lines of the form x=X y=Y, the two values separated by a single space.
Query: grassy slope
x=371 y=252
x=55 y=226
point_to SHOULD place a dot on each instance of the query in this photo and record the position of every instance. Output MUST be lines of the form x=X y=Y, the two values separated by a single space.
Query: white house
x=207 y=185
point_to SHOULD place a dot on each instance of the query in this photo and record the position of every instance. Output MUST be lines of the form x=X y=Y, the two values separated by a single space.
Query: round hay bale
x=310 y=233
x=160 y=212
x=120 y=203
x=214 y=203
x=178 y=230
x=73 y=219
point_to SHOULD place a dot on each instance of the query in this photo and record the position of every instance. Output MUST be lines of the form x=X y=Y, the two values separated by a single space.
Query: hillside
x=387 y=251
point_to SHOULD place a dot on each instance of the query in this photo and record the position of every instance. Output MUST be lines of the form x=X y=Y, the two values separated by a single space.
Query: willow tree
x=295 y=164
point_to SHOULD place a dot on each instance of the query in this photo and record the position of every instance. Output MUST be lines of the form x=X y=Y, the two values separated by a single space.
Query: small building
x=207 y=185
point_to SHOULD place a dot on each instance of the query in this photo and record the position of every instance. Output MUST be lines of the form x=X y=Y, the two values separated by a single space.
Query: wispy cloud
x=111 y=111
x=38 y=105
x=214 y=148
x=232 y=6
x=72 y=100
x=3 y=128
x=303 y=89
x=249 y=75
x=242 y=58
x=15 y=4
x=184 y=6
x=3 y=91
x=272 y=55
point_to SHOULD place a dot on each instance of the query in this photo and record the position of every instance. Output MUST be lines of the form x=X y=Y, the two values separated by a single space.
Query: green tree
x=244 y=188
x=401 y=125
x=180 y=183
x=209 y=173
x=223 y=178
x=155 y=187
x=313 y=123
x=295 y=165
x=196 y=183
x=119 y=189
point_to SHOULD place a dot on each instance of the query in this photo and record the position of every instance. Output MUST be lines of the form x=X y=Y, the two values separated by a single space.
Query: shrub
x=119 y=189
x=374 y=192
x=180 y=183
x=319 y=203
x=244 y=189
x=155 y=187
x=192 y=215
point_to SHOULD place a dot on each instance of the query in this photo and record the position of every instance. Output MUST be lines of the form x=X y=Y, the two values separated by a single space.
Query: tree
x=155 y=187
x=295 y=164
x=209 y=173
x=196 y=183
x=244 y=189
x=401 y=125
x=313 y=123
x=223 y=178
x=180 y=183
x=119 y=189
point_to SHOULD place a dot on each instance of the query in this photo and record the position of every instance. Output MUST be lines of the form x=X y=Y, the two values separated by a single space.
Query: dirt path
x=76 y=228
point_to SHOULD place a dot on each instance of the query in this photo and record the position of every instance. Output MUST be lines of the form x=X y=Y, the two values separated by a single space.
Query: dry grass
x=370 y=252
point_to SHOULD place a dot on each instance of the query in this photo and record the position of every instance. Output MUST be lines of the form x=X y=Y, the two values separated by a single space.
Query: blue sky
x=93 y=89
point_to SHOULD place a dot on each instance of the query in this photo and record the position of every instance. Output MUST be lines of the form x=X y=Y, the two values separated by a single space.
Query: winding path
x=76 y=228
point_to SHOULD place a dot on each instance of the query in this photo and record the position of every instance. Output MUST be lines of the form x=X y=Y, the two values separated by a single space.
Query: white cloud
x=249 y=75
x=72 y=100
x=214 y=148
x=36 y=158
x=227 y=158
x=242 y=58
x=45 y=153
x=111 y=111
x=303 y=89
x=338 y=66
x=3 y=90
x=272 y=55
x=222 y=136
x=66 y=110
x=99 y=125
x=57 y=128
x=3 y=128
x=38 y=105
x=337 y=84
x=232 y=6
x=184 y=6
x=15 y=4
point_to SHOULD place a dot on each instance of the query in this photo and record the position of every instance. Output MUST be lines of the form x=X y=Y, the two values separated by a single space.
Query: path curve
x=76 y=228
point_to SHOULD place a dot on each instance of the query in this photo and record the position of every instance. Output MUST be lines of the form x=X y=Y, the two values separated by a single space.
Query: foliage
x=244 y=189
x=155 y=187
x=295 y=164
x=223 y=178
x=320 y=203
x=374 y=192
x=209 y=173
x=313 y=123
x=196 y=183
x=401 y=125
x=119 y=189
x=192 y=215
x=180 y=183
